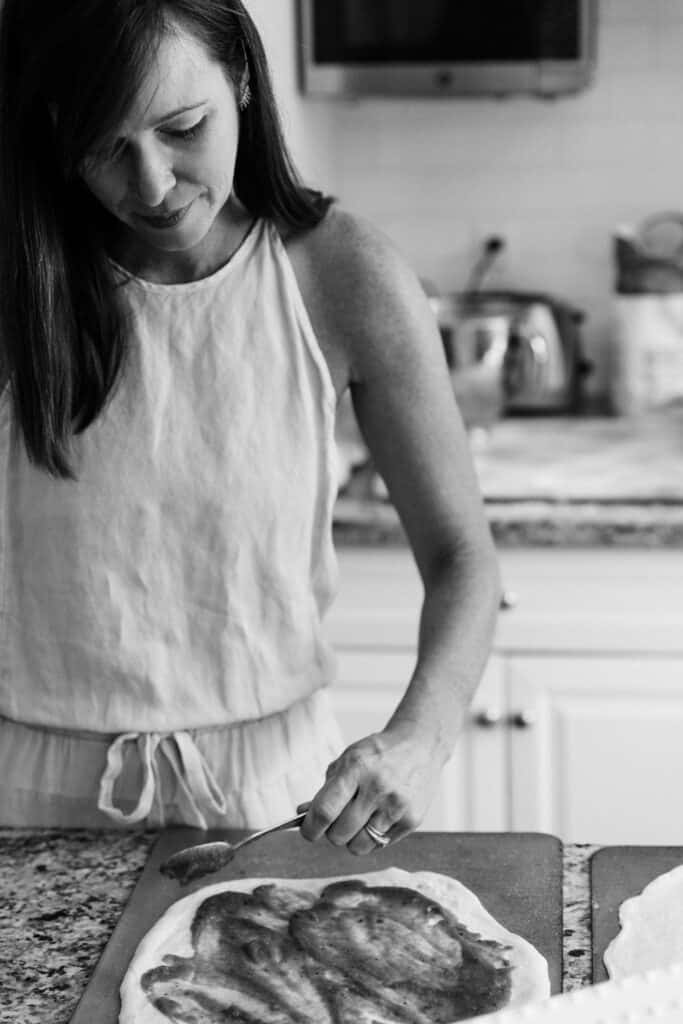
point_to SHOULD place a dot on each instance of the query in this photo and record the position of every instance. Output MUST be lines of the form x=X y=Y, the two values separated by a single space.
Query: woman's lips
x=169 y=221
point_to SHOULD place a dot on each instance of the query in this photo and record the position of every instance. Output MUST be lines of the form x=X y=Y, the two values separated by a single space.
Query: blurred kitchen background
x=548 y=234
x=547 y=184
x=554 y=178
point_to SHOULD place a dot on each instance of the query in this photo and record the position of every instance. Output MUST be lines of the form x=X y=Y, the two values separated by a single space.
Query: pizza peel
x=517 y=877
x=617 y=873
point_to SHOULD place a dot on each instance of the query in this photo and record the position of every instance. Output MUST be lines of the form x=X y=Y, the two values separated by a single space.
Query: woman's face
x=169 y=170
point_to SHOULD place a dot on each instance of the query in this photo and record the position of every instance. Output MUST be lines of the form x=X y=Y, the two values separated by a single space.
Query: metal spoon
x=205 y=858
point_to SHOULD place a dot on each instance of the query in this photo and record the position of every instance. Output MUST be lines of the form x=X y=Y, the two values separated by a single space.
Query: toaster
x=531 y=341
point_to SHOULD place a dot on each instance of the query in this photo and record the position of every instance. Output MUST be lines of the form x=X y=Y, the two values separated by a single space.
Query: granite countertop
x=64 y=892
x=363 y=522
x=571 y=481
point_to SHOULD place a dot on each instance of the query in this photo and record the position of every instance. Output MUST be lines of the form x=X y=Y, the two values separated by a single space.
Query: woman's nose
x=151 y=176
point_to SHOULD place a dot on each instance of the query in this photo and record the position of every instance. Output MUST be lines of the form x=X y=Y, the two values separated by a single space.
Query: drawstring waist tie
x=198 y=791
x=228 y=775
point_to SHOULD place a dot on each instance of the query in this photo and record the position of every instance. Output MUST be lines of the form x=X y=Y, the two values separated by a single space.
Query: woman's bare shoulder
x=346 y=244
x=360 y=289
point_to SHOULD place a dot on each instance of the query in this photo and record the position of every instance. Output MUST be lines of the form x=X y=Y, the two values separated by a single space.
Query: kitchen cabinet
x=601 y=756
x=576 y=726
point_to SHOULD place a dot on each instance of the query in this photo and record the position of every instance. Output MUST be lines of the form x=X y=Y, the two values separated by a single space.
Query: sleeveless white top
x=181 y=580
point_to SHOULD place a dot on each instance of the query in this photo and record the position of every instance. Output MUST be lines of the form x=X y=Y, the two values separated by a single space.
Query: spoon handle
x=292 y=823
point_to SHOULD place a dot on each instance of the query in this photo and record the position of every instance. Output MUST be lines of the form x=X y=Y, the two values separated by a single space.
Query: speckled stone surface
x=576 y=945
x=556 y=481
x=62 y=893
x=372 y=523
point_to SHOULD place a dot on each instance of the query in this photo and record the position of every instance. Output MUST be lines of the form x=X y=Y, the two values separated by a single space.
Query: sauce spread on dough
x=352 y=954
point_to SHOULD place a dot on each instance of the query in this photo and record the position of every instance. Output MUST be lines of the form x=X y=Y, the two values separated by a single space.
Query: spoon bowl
x=196 y=861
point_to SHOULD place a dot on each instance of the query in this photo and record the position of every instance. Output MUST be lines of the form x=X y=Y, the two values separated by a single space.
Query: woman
x=179 y=317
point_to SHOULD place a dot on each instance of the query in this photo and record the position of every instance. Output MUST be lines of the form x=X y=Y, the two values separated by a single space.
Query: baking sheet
x=617 y=873
x=517 y=876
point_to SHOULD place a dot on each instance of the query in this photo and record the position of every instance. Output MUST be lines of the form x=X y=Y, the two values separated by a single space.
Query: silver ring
x=377 y=837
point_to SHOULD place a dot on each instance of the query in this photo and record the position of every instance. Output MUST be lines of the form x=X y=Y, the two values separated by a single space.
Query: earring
x=245 y=98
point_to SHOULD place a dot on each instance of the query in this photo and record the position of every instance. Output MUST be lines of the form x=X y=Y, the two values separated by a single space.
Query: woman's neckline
x=236 y=256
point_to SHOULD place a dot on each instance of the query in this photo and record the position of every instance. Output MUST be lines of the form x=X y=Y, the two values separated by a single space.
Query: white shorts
x=248 y=775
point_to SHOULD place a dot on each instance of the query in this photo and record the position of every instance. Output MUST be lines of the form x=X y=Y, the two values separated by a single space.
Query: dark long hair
x=69 y=71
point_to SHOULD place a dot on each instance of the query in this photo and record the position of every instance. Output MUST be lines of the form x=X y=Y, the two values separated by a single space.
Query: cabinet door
x=479 y=764
x=471 y=794
x=597 y=748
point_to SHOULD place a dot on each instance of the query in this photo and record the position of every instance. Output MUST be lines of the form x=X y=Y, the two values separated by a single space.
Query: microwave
x=446 y=47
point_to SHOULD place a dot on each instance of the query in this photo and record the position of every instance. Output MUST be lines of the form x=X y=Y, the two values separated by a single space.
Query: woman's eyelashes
x=113 y=153
x=187 y=133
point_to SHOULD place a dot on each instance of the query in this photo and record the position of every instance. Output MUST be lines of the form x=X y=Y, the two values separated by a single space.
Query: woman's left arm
x=405 y=408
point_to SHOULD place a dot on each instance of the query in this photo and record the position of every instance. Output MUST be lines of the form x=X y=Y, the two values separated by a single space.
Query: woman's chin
x=174 y=237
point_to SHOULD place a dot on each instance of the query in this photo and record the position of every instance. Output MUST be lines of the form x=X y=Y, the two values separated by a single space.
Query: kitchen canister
x=645 y=354
x=646 y=358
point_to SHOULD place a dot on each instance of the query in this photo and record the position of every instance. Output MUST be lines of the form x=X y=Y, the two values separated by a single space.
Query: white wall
x=555 y=177
x=308 y=127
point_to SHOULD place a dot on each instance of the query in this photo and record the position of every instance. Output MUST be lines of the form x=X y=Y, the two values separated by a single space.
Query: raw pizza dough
x=651 y=933
x=170 y=938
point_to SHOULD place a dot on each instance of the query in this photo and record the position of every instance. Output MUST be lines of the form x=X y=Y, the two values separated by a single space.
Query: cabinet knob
x=523 y=719
x=487 y=718
x=508 y=599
